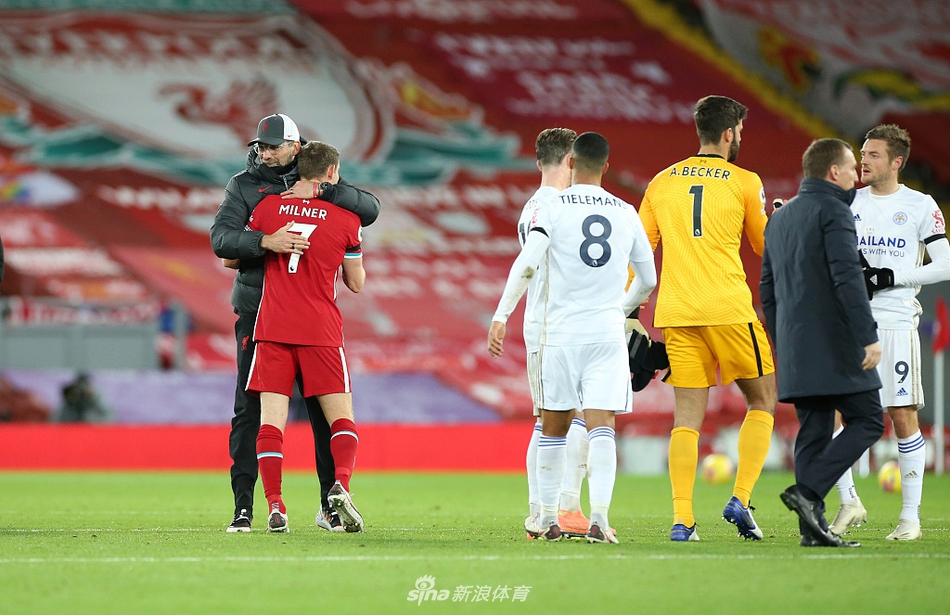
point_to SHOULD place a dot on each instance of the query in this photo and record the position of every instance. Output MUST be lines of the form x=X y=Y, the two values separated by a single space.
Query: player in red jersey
x=299 y=329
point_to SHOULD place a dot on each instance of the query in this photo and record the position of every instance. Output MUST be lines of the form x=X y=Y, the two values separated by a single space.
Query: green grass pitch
x=155 y=543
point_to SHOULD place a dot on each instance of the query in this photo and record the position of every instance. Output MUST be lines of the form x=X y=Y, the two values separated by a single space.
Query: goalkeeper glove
x=646 y=358
x=878 y=278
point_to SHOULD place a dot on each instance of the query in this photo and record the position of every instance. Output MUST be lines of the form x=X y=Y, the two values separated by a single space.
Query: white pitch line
x=97 y=530
x=215 y=529
x=486 y=558
x=288 y=559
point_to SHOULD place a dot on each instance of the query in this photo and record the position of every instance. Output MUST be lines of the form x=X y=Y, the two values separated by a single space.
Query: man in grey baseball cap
x=275 y=129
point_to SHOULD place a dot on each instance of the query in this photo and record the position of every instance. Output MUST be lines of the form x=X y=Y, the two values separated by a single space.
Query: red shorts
x=275 y=367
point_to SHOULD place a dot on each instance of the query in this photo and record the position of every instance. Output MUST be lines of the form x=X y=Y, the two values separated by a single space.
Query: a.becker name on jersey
x=691 y=171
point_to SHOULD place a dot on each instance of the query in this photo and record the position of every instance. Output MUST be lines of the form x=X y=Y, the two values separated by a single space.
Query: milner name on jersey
x=306 y=212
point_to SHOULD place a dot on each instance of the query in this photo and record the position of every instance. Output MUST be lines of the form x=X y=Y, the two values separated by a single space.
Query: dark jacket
x=816 y=305
x=242 y=194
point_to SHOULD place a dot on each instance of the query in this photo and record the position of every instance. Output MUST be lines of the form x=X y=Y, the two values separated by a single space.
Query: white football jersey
x=891 y=234
x=594 y=235
x=534 y=307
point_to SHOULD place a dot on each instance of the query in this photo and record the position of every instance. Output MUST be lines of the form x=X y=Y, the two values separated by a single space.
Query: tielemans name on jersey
x=306 y=212
x=591 y=199
x=691 y=171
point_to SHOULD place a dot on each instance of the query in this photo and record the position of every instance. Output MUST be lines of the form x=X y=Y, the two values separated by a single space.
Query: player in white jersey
x=582 y=239
x=552 y=148
x=895 y=225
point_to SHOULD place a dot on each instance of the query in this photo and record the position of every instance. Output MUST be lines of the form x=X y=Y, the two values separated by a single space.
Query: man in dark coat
x=826 y=343
x=271 y=169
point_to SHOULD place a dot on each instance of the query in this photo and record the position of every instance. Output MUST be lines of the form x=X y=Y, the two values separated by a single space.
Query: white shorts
x=900 y=367
x=591 y=376
x=534 y=383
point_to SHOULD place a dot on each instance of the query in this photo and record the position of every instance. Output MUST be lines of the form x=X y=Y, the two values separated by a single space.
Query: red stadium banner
x=48 y=258
x=856 y=64
x=614 y=75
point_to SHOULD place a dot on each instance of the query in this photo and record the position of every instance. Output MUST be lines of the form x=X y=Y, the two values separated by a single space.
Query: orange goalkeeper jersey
x=699 y=208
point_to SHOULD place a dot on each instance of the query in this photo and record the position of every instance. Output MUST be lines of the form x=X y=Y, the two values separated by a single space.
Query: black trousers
x=820 y=460
x=247 y=422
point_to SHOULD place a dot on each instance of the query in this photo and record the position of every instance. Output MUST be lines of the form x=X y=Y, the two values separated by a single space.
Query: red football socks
x=270 y=460
x=343 y=443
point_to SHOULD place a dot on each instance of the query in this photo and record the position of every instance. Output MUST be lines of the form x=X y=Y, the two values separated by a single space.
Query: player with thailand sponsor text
x=895 y=226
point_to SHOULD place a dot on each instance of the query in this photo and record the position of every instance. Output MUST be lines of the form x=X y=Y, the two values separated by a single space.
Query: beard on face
x=733 y=151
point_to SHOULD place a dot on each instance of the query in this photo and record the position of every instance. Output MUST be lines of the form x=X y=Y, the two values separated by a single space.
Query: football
x=717 y=469
x=889 y=477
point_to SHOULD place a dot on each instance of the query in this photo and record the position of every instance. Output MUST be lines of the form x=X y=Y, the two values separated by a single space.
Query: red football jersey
x=298 y=305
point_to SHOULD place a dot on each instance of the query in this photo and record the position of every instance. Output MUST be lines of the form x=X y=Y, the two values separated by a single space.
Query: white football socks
x=847 y=492
x=575 y=468
x=912 y=457
x=552 y=451
x=531 y=464
x=602 y=461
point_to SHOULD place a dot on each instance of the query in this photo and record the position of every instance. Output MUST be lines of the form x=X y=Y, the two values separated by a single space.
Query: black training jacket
x=814 y=297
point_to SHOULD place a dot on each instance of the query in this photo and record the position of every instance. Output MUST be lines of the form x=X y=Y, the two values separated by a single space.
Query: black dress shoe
x=827 y=539
x=814 y=532
x=795 y=500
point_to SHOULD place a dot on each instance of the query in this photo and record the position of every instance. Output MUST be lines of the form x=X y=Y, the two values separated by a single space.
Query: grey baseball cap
x=275 y=129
